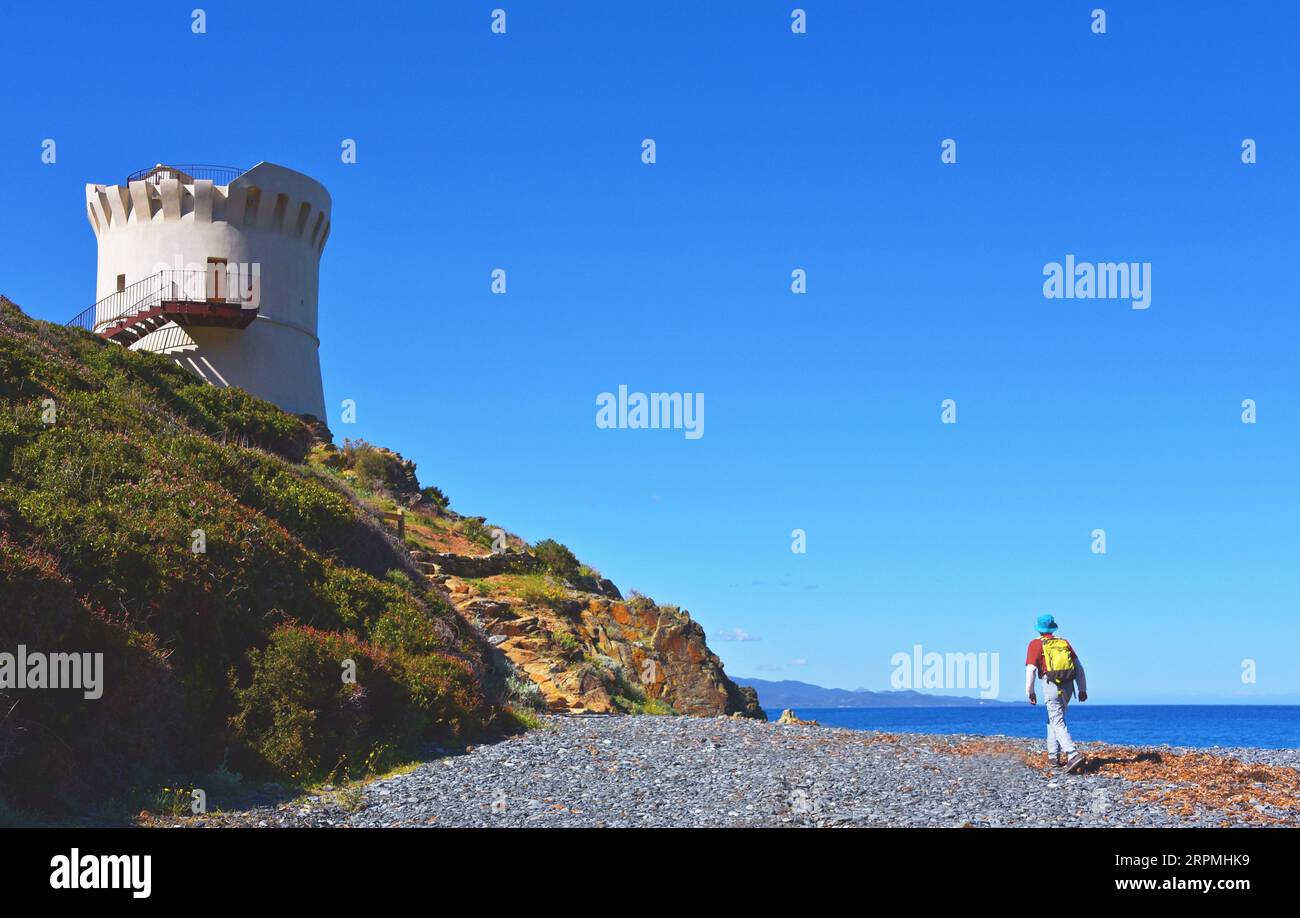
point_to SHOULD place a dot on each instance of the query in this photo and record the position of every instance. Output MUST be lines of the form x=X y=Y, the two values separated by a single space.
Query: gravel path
x=682 y=771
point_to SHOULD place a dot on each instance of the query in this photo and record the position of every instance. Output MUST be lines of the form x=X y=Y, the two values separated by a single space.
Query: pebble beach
x=630 y=771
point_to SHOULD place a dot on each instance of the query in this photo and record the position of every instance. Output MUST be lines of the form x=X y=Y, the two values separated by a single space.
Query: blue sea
x=1264 y=726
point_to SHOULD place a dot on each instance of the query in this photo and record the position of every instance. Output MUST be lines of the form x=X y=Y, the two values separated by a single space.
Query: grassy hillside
x=111 y=462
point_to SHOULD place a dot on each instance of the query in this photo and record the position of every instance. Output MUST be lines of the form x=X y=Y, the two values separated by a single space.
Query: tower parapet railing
x=187 y=173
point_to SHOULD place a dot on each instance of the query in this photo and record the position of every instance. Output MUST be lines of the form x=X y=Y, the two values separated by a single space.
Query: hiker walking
x=1054 y=661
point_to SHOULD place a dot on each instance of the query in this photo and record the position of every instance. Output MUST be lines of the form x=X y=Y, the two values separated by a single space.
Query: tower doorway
x=217 y=280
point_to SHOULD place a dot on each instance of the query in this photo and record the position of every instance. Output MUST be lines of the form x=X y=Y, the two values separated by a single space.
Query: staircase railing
x=171 y=285
x=122 y=303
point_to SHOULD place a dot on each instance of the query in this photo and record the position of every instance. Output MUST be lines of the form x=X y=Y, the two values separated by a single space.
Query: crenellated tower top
x=266 y=197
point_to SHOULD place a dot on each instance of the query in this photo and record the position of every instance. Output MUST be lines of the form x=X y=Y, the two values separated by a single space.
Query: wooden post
x=397 y=516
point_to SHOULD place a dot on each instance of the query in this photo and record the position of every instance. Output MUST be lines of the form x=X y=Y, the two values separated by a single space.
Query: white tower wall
x=269 y=216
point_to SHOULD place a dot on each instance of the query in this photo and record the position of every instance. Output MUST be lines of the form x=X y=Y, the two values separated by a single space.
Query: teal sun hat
x=1046 y=624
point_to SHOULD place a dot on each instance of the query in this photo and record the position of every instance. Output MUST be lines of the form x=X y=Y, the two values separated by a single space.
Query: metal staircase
x=185 y=297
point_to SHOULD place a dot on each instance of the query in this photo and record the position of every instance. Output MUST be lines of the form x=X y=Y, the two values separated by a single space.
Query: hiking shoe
x=1073 y=763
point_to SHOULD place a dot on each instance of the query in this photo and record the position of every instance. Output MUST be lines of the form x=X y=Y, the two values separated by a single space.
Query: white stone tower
x=217 y=268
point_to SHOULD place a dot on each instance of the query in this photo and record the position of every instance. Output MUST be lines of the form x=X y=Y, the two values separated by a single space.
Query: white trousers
x=1057 y=701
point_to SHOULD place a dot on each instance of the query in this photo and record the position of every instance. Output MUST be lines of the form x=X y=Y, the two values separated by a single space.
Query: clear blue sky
x=775 y=151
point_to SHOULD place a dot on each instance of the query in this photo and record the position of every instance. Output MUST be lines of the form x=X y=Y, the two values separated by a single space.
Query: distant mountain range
x=791 y=694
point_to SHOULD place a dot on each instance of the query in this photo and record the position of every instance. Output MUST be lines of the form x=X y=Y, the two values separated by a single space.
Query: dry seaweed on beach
x=1184 y=782
x=1203 y=780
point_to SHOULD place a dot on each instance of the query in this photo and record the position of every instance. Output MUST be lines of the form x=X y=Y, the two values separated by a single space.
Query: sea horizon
x=1205 y=726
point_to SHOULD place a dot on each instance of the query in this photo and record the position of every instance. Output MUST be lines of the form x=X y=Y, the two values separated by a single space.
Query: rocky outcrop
x=790 y=718
x=744 y=703
x=598 y=585
x=591 y=653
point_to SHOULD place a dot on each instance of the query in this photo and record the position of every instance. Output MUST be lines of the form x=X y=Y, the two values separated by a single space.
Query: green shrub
x=406 y=627
x=525 y=719
x=476 y=530
x=375 y=469
x=524 y=693
x=399 y=579
x=221 y=785
x=556 y=558
x=371 y=467
x=14 y=430
x=301 y=505
x=299 y=717
x=445 y=698
x=235 y=415
x=172 y=802
x=536 y=589
x=357 y=598
x=657 y=707
x=434 y=494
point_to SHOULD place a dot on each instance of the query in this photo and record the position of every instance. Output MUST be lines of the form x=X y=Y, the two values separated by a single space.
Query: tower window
x=252 y=199
x=277 y=215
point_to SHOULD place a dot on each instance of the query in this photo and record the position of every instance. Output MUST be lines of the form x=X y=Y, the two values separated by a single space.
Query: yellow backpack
x=1058 y=661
